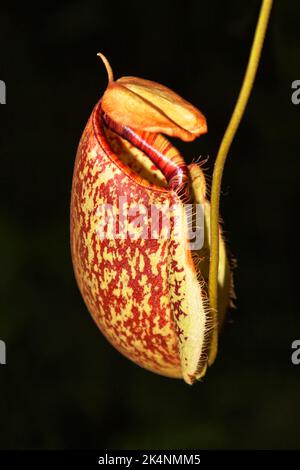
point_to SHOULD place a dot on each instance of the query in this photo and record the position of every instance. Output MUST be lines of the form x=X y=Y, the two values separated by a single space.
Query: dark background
x=64 y=386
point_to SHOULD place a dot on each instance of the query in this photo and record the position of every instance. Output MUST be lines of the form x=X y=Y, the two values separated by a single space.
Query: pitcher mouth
x=132 y=162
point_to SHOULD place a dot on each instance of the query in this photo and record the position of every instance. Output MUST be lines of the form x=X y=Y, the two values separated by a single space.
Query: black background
x=64 y=386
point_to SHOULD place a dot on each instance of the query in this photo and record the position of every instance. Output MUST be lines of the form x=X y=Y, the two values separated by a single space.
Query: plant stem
x=222 y=155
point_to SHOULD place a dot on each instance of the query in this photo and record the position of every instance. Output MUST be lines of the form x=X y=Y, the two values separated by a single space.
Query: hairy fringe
x=210 y=325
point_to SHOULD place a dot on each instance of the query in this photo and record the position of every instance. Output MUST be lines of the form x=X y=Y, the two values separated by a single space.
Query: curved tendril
x=221 y=158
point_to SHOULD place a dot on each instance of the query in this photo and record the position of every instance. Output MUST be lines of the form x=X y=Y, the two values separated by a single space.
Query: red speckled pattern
x=125 y=283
